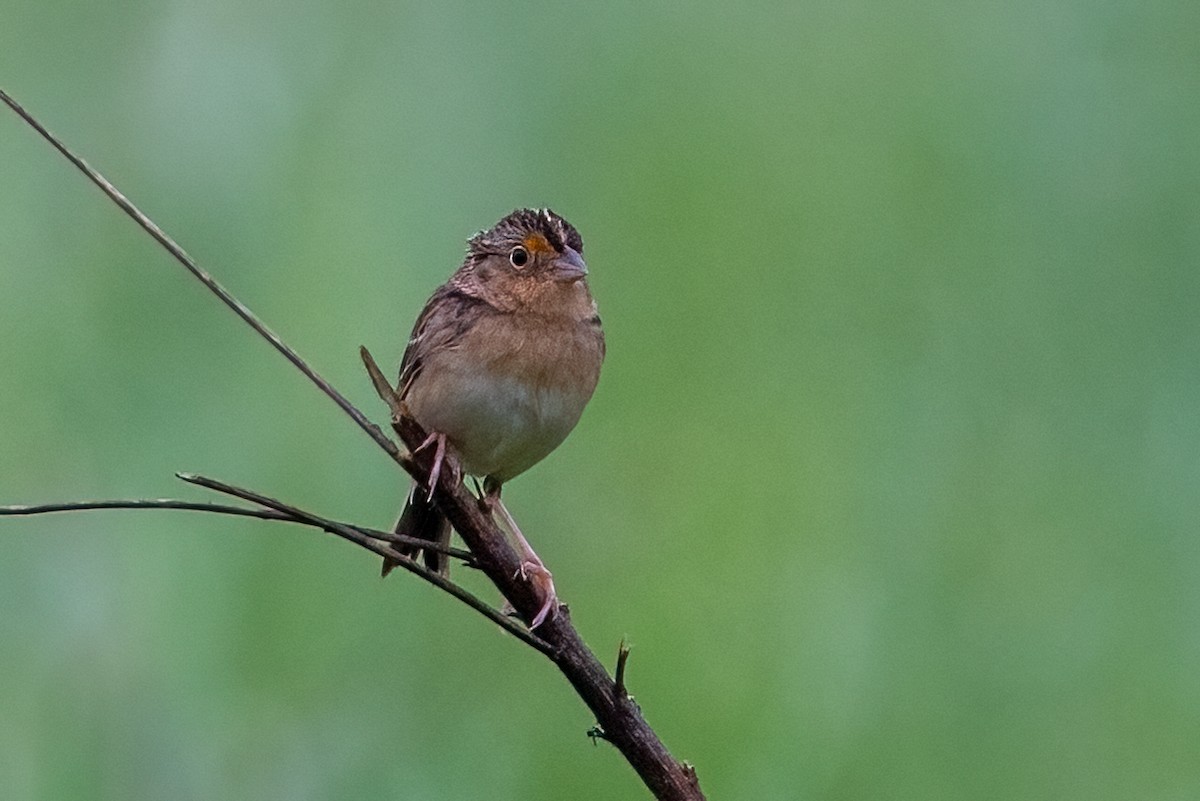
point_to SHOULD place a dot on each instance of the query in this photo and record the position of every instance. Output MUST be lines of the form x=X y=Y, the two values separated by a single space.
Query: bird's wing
x=440 y=326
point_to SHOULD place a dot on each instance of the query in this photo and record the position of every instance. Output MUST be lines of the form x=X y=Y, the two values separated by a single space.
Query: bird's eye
x=519 y=256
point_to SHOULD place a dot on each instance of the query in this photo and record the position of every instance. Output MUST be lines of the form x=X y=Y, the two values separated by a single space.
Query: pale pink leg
x=532 y=569
x=438 y=455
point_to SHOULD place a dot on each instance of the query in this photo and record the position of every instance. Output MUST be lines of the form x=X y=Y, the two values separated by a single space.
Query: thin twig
x=363 y=541
x=619 y=680
x=466 y=557
x=382 y=387
x=239 y=511
x=181 y=256
x=621 y=723
x=148 y=503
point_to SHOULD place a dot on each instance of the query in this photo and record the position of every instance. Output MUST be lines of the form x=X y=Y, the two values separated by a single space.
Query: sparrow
x=500 y=364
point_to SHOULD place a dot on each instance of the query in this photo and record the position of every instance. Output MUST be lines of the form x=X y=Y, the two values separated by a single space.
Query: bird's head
x=532 y=256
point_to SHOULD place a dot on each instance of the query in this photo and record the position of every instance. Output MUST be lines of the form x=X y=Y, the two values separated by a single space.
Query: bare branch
x=382 y=387
x=276 y=510
x=352 y=534
x=181 y=256
x=239 y=511
x=150 y=503
x=618 y=721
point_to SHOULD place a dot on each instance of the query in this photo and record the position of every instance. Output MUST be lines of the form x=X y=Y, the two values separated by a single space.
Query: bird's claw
x=543 y=582
x=439 y=456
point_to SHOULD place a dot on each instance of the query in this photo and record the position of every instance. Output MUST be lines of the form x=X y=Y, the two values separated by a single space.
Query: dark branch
x=237 y=511
x=181 y=256
x=152 y=503
x=276 y=510
x=352 y=534
x=619 y=720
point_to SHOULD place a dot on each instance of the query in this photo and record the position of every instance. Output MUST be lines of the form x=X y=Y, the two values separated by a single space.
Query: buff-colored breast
x=510 y=392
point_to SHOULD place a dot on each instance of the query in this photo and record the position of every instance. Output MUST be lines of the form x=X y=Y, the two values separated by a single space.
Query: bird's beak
x=569 y=267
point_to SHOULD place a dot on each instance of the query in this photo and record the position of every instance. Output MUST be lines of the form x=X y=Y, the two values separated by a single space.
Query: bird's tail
x=422 y=519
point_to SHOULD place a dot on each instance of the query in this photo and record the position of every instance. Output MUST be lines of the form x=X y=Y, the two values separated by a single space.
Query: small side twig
x=148 y=503
x=466 y=557
x=359 y=535
x=619 y=680
x=620 y=723
x=363 y=541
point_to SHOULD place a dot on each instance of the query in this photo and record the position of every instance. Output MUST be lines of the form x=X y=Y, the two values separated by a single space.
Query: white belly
x=498 y=425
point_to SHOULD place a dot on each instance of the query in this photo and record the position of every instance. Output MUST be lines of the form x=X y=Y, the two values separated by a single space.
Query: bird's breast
x=509 y=393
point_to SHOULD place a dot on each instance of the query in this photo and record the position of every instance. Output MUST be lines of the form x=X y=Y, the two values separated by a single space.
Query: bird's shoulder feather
x=448 y=315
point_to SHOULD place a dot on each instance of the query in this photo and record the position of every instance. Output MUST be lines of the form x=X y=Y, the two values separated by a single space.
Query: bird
x=500 y=364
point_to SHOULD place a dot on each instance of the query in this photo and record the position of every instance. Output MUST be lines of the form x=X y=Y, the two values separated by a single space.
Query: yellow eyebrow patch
x=536 y=243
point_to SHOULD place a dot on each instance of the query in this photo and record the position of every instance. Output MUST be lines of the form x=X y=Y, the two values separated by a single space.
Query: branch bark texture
x=619 y=718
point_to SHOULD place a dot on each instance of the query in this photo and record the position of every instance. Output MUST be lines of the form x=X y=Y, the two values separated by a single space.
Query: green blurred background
x=891 y=478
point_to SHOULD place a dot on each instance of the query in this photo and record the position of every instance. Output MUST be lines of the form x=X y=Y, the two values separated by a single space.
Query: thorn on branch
x=597 y=733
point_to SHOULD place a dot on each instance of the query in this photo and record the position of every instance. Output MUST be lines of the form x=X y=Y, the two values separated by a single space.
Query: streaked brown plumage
x=502 y=360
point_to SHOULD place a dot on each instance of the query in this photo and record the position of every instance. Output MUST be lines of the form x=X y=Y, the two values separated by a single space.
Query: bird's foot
x=488 y=503
x=543 y=583
x=439 y=455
